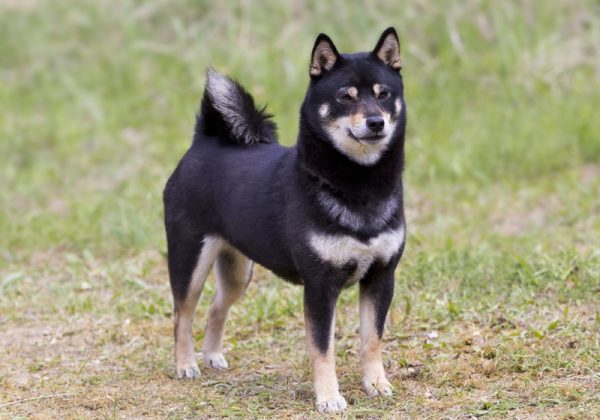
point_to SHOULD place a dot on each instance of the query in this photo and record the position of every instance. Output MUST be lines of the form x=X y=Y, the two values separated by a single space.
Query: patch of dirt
x=590 y=174
x=19 y=4
x=514 y=222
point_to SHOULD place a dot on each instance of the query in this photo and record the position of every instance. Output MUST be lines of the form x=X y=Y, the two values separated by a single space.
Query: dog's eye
x=384 y=94
x=344 y=95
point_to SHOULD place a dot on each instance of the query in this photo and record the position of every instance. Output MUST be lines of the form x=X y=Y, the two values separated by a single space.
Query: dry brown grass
x=496 y=310
x=100 y=363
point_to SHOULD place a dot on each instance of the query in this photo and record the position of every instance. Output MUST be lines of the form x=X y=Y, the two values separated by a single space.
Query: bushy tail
x=229 y=111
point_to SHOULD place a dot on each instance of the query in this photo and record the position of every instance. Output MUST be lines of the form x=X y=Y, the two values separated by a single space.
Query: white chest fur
x=342 y=249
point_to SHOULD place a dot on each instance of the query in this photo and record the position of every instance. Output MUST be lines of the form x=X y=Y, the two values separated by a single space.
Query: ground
x=496 y=306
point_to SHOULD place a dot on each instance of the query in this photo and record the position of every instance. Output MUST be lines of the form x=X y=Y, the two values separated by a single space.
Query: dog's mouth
x=375 y=138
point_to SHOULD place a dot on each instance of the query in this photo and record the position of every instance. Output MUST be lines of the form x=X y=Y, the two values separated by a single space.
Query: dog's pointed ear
x=324 y=56
x=388 y=48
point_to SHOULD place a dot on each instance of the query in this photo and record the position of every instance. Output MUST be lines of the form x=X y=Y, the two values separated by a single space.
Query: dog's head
x=356 y=100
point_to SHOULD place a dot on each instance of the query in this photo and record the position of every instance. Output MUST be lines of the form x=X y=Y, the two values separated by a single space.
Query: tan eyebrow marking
x=324 y=110
x=376 y=89
x=353 y=92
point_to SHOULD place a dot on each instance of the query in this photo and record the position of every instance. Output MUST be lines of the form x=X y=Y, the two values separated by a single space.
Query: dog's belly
x=268 y=255
x=340 y=250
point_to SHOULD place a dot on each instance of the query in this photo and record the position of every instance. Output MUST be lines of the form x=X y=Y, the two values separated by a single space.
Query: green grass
x=97 y=104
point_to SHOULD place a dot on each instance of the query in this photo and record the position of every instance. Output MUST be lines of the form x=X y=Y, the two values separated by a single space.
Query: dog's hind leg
x=190 y=259
x=234 y=271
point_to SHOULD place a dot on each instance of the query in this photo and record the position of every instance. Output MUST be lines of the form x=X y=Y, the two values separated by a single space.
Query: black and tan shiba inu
x=326 y=213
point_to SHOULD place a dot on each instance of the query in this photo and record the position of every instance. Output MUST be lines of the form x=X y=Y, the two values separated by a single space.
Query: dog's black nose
x=375 y=124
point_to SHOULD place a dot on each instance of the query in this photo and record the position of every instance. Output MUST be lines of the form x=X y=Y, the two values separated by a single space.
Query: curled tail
x=228 y=111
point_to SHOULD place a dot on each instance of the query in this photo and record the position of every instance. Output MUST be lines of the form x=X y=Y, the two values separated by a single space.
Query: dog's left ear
x=388 y=48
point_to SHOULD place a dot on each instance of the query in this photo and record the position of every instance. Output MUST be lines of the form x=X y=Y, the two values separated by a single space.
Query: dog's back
x=234 y=163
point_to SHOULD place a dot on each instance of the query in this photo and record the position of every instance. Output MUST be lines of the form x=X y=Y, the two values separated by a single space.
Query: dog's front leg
x=376 y=291
x=319 y=314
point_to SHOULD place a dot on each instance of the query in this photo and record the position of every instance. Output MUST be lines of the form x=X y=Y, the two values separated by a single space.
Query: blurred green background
x=496 y=304
x=98 y=98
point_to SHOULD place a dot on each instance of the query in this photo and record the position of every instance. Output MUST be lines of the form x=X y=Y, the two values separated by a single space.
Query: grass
x=495 y=312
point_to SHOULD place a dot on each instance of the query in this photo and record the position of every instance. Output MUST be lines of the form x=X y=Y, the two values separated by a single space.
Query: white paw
x=333 y=405
x=378 y=386
x=215 y=361
x=188 y=371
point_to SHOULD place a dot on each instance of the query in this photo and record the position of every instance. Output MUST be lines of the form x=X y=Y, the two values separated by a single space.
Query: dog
x=326 y=213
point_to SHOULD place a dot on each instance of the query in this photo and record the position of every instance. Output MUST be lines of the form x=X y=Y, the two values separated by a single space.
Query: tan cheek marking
x=357 y=119
x=376 y=89
x=398 y=106
x=324 y=110
x=386 y=116
x=333 y=125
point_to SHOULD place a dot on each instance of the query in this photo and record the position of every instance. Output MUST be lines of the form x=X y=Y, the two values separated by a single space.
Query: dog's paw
x=332 y=405
x=215 y=361
x=188 y=371
x=378 y=386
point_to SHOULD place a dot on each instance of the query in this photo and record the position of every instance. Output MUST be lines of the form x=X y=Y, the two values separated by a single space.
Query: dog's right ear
x=324 y=56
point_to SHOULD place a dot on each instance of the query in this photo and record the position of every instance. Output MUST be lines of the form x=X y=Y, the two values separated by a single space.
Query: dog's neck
x=322 y=164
